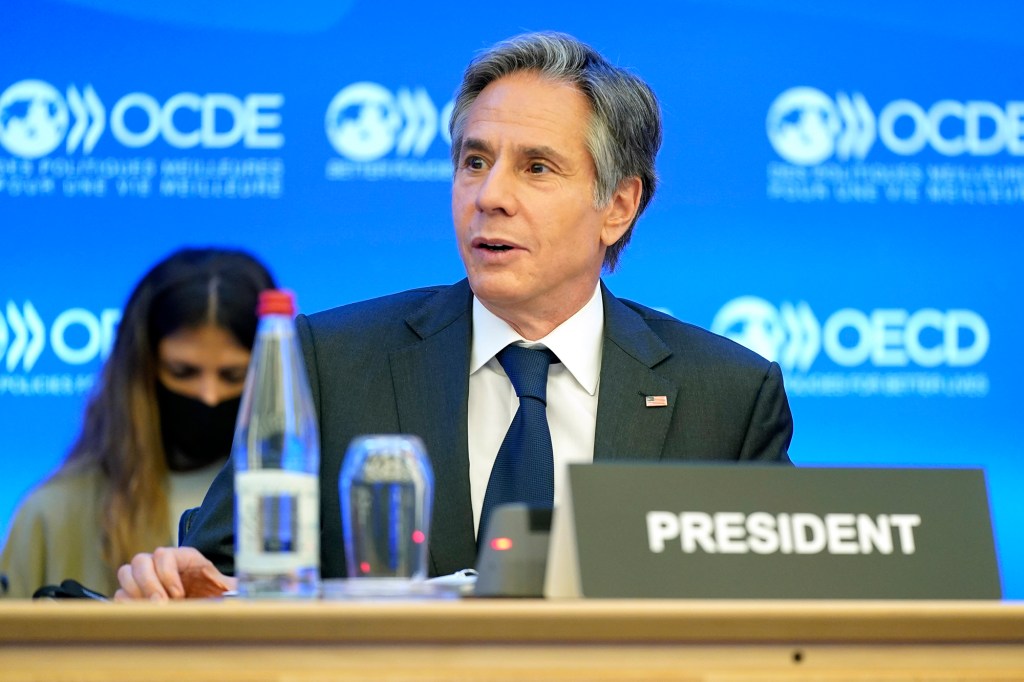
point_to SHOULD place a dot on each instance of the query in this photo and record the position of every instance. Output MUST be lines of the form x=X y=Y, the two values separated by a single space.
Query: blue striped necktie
x=524 y=470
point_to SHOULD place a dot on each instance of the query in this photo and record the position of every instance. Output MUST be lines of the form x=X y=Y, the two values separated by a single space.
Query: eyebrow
x=476 y=145
x=539 y=151
x=167 y=362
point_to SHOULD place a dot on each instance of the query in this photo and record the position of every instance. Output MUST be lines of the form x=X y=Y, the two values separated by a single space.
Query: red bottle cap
x=276 y=302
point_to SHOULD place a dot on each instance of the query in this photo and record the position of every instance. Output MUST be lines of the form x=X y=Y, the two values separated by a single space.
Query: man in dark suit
x=553 y=149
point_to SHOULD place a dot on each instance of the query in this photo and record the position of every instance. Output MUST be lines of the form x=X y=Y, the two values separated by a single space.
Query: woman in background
x=157 y=428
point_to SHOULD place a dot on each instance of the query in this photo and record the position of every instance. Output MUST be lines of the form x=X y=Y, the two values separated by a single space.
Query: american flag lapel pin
x=655 y=401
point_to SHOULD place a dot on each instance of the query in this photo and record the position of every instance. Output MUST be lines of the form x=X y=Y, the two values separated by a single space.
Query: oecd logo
x=77 y=336
x=791 y=335
x=34 y=118
x=366 y=121
x=806 y=127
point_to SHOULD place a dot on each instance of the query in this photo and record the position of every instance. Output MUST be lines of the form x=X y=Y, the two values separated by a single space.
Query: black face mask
x=195 y=434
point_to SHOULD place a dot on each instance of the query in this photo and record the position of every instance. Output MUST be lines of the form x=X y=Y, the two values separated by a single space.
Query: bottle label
x=277 y=521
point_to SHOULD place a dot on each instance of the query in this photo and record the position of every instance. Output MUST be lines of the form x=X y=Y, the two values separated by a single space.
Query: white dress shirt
x=572 y=392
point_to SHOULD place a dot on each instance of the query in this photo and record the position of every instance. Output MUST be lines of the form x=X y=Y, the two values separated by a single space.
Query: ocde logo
x=365 y=122
x=885 y=337
x=807 y=127
x=35 y=118
x=77 y=336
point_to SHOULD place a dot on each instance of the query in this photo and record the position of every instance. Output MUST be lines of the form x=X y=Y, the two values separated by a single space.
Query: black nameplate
x=773 y=532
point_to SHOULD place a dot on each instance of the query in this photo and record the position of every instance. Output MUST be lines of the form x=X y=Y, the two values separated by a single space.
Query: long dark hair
x=121 y=428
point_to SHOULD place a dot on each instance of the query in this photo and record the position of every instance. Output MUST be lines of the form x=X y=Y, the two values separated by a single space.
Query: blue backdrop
x=842 y=190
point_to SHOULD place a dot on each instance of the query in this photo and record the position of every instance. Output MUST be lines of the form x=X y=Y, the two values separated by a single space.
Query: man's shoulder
x=693 y=343
x=391 y=320
x=383 y=308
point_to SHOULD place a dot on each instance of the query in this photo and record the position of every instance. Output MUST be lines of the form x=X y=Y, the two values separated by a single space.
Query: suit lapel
x=626 y=427
x=431 y=380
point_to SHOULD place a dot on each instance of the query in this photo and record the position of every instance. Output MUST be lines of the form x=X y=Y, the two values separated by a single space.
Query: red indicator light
x=501 y=544
x=418 y=537
x=365 y=567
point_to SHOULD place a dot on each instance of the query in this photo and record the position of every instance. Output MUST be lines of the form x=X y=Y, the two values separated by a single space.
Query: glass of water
x=386 y=490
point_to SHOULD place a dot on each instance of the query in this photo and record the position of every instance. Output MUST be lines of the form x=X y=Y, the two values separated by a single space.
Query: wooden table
x=719 y=641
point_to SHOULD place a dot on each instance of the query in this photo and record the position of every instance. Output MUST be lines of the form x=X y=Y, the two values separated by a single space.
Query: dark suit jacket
x=400 y=364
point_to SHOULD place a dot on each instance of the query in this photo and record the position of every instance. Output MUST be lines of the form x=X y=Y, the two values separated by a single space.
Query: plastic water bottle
x=276 y=456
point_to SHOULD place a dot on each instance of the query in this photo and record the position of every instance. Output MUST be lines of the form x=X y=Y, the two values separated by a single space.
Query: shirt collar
x=577 y=341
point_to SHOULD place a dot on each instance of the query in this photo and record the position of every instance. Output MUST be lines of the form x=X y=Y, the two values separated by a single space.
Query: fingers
x=171 y=573
x=129 y=589
x=205 y=581
x=144 y=576
x=138 y=580
x=169 y=562
x=158 y=576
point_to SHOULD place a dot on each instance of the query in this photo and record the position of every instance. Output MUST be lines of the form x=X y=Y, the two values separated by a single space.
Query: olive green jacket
x=56 y=535
x=56 y=532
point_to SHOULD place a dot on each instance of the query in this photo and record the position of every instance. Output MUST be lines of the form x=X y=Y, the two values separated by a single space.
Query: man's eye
x=537 y=167
x=473 y=163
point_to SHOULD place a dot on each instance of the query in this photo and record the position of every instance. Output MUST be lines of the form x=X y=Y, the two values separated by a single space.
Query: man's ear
x=621 y=210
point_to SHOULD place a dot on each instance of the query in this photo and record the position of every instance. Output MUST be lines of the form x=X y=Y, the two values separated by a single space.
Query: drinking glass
x=386 y=490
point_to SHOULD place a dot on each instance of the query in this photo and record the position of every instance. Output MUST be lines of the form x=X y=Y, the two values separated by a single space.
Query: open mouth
x=494 y=244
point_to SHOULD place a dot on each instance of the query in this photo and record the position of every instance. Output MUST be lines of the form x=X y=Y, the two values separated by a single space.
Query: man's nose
x=497 y=191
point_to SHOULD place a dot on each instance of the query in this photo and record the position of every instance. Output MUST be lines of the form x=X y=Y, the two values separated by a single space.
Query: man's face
x=529 y=234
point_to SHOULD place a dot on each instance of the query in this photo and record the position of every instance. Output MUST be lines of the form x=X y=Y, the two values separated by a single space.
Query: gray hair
x=624 y=132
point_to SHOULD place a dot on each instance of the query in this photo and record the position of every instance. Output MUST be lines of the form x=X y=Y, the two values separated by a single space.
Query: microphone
x=69 y=589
